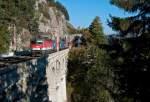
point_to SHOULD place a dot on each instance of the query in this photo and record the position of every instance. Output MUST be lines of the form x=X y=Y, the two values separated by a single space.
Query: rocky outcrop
x=49 y=19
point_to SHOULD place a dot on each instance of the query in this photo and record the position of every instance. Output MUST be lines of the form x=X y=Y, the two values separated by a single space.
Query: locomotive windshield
x=39 y=41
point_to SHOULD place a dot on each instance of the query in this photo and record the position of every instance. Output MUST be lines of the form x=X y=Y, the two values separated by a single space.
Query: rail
x=6 y=61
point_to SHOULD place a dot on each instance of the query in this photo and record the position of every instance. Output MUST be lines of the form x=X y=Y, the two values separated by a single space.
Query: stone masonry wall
x=38 y=80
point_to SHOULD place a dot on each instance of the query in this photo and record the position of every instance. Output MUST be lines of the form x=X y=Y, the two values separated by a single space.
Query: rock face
x=21 y=40
x=55 y=21
x=49 y=19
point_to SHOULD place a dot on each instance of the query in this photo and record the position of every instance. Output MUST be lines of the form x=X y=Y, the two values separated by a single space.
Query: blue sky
x=82 y=12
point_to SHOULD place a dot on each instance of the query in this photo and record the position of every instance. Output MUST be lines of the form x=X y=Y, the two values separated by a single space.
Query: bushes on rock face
x=62 y=9
x=59 y=6
x=71 y=29
x=16 y=12
x=19 y=13
x=44 y=10
x=4 y=39
x=22 y=14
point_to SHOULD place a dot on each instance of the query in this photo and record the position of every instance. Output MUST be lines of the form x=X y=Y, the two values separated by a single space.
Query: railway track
x=6 y=61
x=13 y=60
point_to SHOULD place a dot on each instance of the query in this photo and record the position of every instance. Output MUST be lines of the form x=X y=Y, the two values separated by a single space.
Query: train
x=41 y=44
x=45 y=42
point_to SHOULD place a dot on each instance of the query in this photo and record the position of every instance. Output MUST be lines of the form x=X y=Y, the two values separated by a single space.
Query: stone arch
x=63 y=63
x=66 y=61
x=53 y=69
x=58 y=64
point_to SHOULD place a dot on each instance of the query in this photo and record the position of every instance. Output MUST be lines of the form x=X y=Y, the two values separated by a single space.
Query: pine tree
x=96 y=31
x=130 y=52
x=137 y=25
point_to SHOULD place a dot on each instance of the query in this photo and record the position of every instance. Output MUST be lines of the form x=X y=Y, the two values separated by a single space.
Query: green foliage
x=62 y=9
x=89 y=72
x=103 y=96
x=90 y=75
x=4 y=39
x=33 y=26
x=71 y=29
x=19 y=13
x=130 y=51
x=96 y=31
x=120 y=25
x=132 y=5
x=96 y=28
x=22 y=14
x=134 y=25
x=87 y=35
x=51 y=1
x=16 y=12
x=59 y=6
x=44 y=10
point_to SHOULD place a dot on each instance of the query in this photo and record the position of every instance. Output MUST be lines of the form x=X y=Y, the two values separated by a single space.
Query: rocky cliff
x=49 y=18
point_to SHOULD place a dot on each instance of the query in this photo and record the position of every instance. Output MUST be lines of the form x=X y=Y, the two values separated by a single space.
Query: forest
x=113 y=68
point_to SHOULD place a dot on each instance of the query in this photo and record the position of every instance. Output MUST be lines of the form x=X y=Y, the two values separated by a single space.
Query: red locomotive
x=47 y=42
x=42 y=42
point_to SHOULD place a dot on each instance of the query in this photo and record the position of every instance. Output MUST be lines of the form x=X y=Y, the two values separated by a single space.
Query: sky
x=82 y=12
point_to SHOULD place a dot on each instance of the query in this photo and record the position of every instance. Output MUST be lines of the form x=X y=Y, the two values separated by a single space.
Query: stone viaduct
x=41 y=79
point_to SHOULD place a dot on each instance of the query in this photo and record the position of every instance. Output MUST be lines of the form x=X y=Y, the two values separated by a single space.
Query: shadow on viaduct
x=38 y=80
